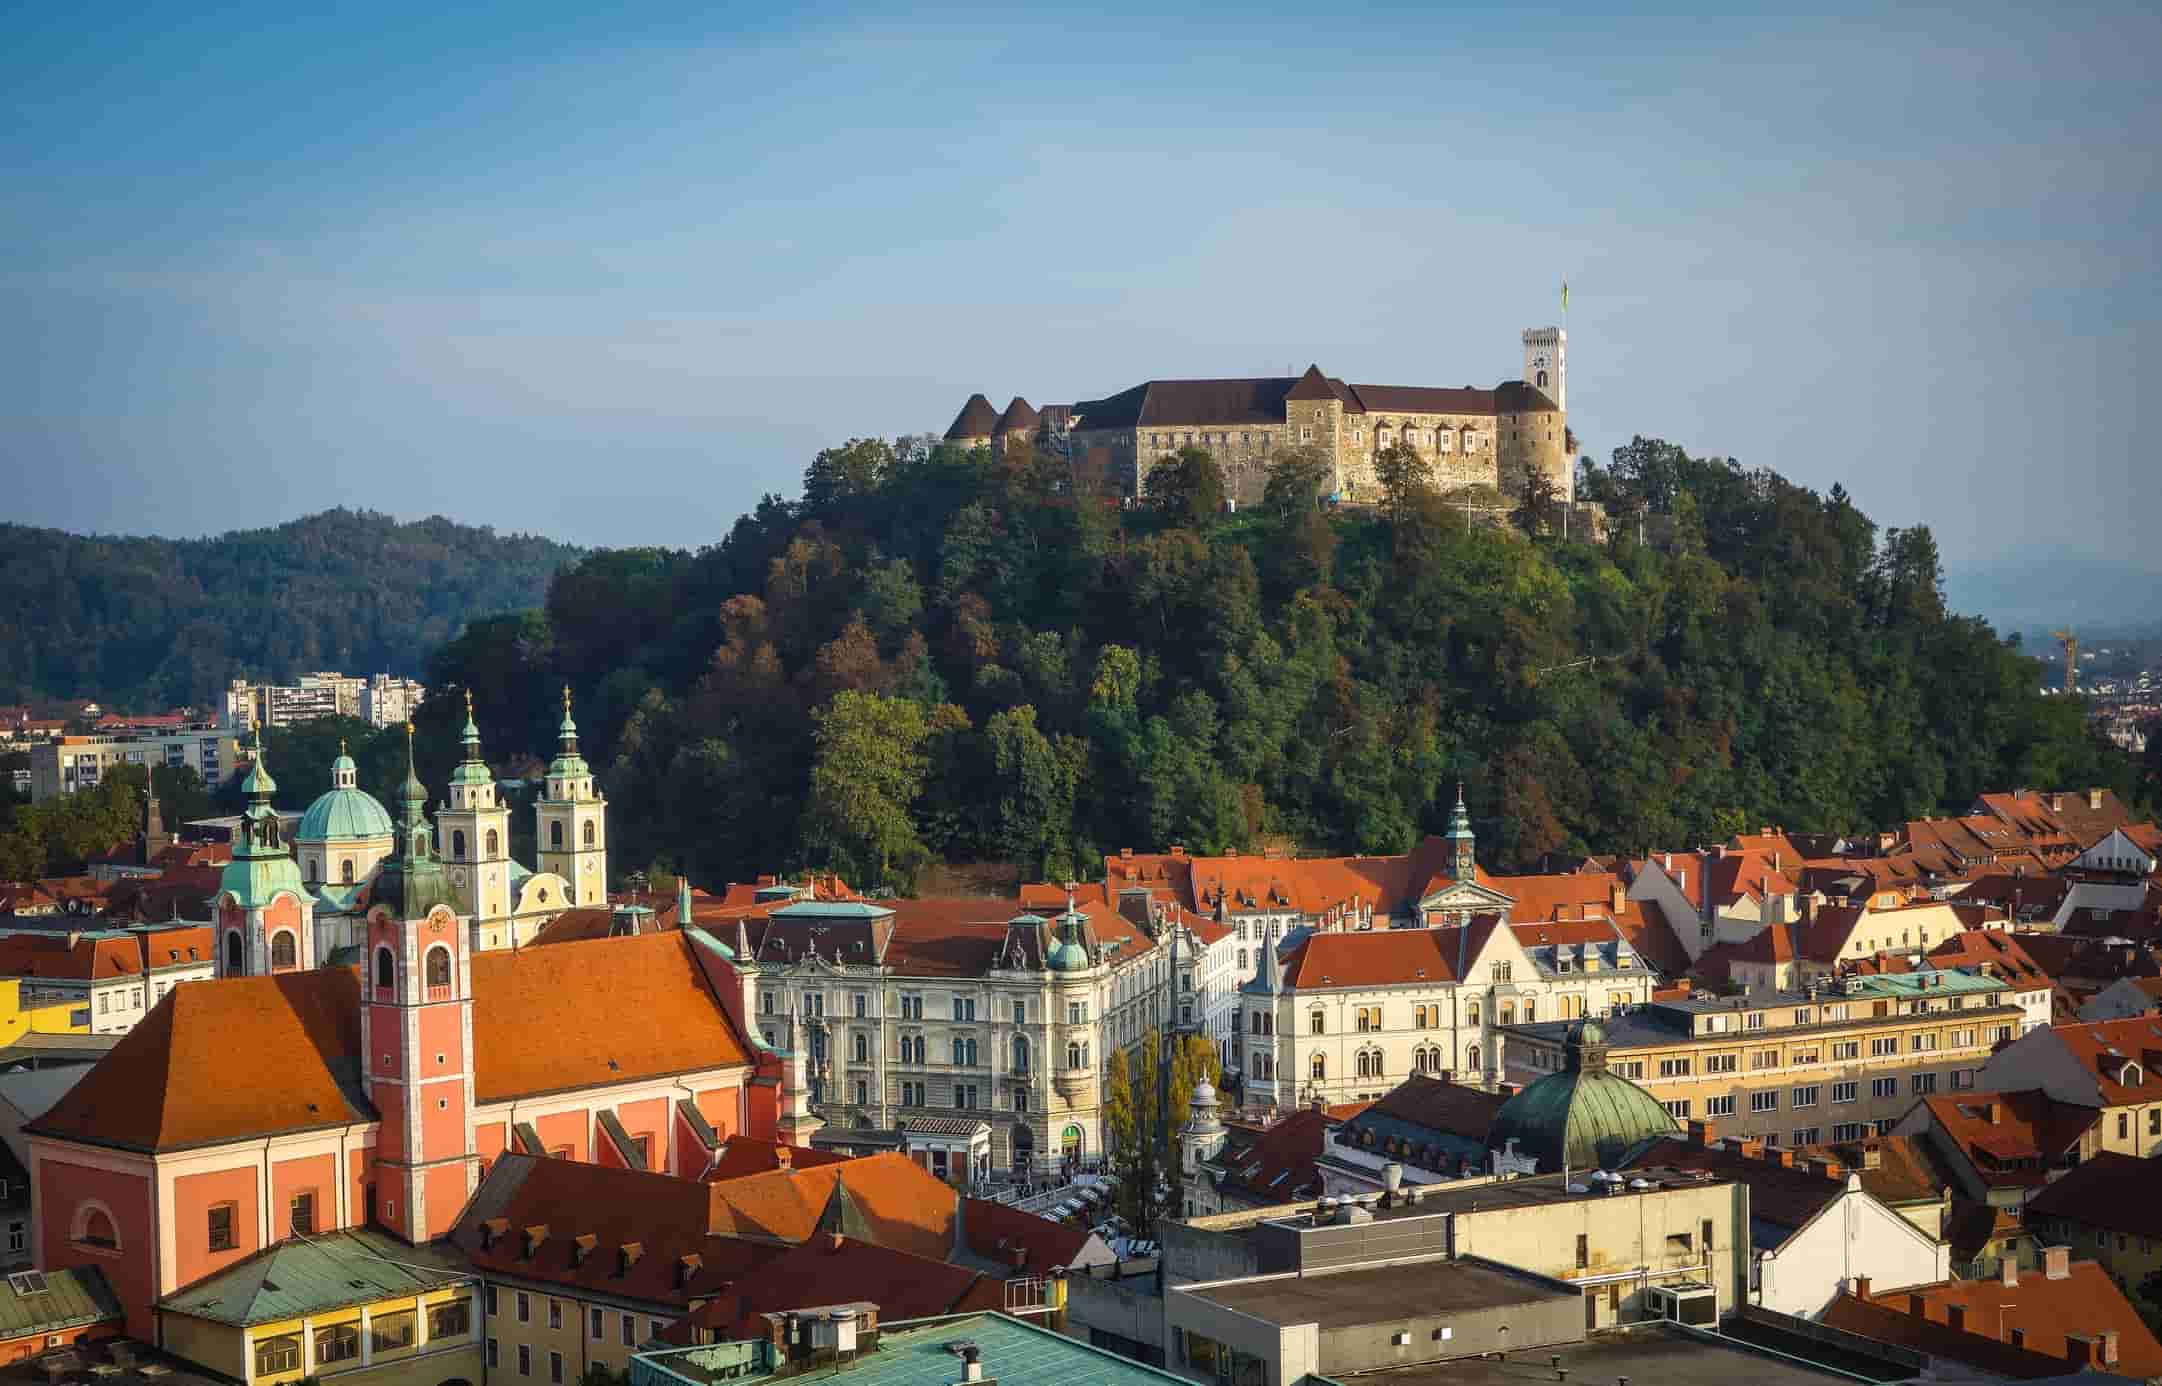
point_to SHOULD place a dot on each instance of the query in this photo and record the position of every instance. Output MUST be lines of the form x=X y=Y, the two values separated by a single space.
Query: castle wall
x=1538 y=442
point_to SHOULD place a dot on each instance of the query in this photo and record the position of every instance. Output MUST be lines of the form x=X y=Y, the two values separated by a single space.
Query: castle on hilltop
x=1470 y=437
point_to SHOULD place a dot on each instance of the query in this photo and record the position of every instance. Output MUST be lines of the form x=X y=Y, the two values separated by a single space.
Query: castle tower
x=572 y=820
x=1314 y=417
x=473 y=833
x=1202 y=1137
x=1463 y=861
x=1546 y=363
x=417 y=1033
x=266 y=917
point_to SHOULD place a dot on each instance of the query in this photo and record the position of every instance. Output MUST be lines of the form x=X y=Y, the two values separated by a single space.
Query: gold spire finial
x=566 y=699
x=341 y=745
x=409 y=729
x=469 y=704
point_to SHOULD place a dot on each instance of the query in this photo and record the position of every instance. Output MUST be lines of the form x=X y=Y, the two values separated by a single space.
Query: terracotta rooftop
x=2110 y=1191
x=1027 y=1243
x=2044 y=1310
x=1388 y=957
x=2013 y=1139
x=1997 y=952
x=1277 y=1165
x=771 y=1279
x=544 y=1020
x=2124 y=1056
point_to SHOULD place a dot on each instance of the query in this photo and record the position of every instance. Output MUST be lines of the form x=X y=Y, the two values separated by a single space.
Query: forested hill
x=935 y=655
x=146 y=624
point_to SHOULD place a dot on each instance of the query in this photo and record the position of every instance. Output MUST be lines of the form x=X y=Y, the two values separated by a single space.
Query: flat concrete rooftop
x=1380 y=1294
x=1526 y=1192
x=1649 y=1355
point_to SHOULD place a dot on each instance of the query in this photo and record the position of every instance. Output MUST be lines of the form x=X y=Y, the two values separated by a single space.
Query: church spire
x=413 y=800
x=1463 y=860
x=474 y=768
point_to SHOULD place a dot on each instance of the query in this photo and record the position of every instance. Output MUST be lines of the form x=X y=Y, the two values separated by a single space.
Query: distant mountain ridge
x=149 y=623
x=2032 y=594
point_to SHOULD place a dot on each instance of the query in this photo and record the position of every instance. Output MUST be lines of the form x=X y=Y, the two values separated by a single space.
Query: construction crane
x=2071 y=658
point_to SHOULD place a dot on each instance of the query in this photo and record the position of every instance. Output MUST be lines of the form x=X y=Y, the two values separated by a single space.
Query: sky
x=609 y=273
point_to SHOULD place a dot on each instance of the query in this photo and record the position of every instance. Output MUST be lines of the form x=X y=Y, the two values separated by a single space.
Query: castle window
x=315 y=868
x=555 y=836
x=495 y=844
x=438 y=968
x=589 y=834
x=234 y=964
x=457 y=846
x=386 y=977
x=1542 y=380
x=283 y=956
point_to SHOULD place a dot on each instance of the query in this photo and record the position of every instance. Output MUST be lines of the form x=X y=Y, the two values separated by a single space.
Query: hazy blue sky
x=611 y=271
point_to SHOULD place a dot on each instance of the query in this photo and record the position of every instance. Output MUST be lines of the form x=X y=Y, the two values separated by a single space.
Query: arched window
x=386 y=974
x=555 y=836
x=94 y=1227
x=457 y=846
x=495 y=844
x=235 y=958
x=1020 y=1053
x=283 y=954
x=1542 y=380
x=589 y=833
x=439 y=966
x=1077 y=1054
x=1471 y=1058
x=315 y=868
x=1317 y=1068
x=1471 y=1013
x=345 y=870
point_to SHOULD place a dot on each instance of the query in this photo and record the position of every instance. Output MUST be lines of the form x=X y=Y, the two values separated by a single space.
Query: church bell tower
x=572 y=819
x=473 y=833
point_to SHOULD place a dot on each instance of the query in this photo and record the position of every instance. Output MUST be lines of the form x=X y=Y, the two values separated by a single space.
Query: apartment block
x=68 y=763
x=1797 y=1068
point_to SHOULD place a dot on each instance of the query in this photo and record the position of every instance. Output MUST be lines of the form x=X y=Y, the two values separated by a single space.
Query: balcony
x=1075 y=1084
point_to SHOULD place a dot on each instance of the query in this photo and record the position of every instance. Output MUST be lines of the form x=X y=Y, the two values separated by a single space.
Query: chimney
x=2094 y=801
x=1620 y=899
x=783 y=1157
x=2056 y=1262
x=1785 y=1158
x=971 y=1363
x=1956 y=1316
x=1703 y=1132
x=2008 y=1271
x=1861 y=1287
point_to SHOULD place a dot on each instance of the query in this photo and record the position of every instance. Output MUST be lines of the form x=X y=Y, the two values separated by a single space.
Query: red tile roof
x=68 y=957
x=1386 y=957
x=1779 y=1194
x=2114 y=1050
x=741 y=1155
x=1277 y=1166
x=1997 y=952
x=770 y=1280
x=2085 y=1301
x=1029 y=1244
x=2110 y=1191
x=898 y=1202
x=2013 y=1139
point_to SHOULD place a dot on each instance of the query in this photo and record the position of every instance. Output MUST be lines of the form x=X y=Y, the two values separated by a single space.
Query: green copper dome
x=413 y=881
x=1069 y=954
x=343 y=815
x=1583 y=1116
x=261 y=867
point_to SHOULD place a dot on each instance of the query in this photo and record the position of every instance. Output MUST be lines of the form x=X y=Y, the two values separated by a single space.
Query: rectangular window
x=525 y=1360
x=1674 y=1068
x=490 y=1301
x=390 y=1332
x=1706 y=1228
x=1583 y=1251
x=598 y=1325
x=1925 y=1083
x=221 y=1228
x=1843 y=1092
x=1801 y=1017
x=1805 y=1135
x=495 y=1352
x=630 y=1332
x=1925 y=1041
x=1678 y=1108
x=1764 y=1102
x=859 y=1003
x=275 y=1355
x=1722 y=1063
x=338 y=1343
x=1764 y=1058
x=1756 y=1020
x=1719 y=1106
x=1802 y=1056
x=1846 y=1049
x=555 y=1313
x=1883 y=1045
x=300 y=1214
x=451 y=1320
x=1884 y=1087
x=1963 y=1078
x=525 y=1307
x=555 y=1368
x=1807 y=1097
x=1849 y=1131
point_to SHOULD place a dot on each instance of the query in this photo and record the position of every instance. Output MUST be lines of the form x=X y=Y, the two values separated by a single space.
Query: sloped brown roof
x=1385 y=957
x=1516 y=397
x=2011 y=1137
x=768 y=1280
x=1424 y=399
x=2085 y=1301
x=169 y=1083
x=1277 y=1166
x=997 y=1231
x=2111 y=1191
x=976 y=420
x=1998 y=952
x=1433 y=1104
x=589 y=1014
x=1020 y=416
x=741 y=1155
x=1779 y=1194
x=901 y=1203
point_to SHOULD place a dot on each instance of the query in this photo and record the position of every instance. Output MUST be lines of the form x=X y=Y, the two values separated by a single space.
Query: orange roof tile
x=168 y=1084
x=2085 y=1301
x=2111 y=1050
x=902 y=1204
x=2011 y=1138
x=1385 y=957
x=1029 y=1244
x=775 y=1279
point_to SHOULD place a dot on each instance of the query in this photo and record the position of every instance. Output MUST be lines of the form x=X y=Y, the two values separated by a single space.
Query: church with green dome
x=345 y=849
x=1582 y=1117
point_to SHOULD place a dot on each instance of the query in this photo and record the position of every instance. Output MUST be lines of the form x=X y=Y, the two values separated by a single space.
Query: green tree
x=1404 y=479
x=1032 y=817
x=868 y=770
x=1188 y=487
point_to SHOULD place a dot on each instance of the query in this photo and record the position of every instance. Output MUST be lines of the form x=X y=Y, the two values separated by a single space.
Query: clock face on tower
x=1538 y=363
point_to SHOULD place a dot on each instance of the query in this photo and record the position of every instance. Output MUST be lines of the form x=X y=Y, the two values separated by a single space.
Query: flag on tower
x=1565 y=295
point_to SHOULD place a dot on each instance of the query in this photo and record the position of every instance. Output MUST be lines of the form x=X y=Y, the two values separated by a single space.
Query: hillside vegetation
x=146 y=624
x=935 y=654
